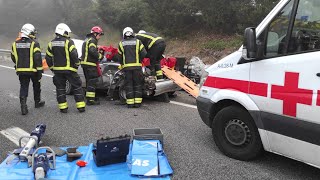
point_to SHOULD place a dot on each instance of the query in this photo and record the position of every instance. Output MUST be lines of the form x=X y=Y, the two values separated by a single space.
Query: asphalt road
x=188 y=143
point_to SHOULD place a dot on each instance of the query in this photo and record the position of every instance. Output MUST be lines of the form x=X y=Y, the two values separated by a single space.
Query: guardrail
x=4 y=54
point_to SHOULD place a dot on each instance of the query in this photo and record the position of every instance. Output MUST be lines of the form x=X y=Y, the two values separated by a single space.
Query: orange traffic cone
x=44 y=64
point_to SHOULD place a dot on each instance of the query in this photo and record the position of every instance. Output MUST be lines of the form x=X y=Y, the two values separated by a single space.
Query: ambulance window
x=306 y=29
x=277 y=32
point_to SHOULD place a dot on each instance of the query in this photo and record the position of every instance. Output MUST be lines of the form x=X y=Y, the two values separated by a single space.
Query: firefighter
x=131 y=52
x=89 y=61
x=26 y=55
x=155 y=46
x=62 y=59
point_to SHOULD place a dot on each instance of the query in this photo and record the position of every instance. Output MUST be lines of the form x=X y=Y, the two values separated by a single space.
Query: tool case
x=111 y=150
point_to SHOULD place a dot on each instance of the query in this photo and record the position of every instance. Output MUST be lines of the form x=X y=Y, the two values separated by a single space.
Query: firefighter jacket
x=149 y=39
x=26 y=55
x=90 y=53
x=62 y=55
x=131 y=52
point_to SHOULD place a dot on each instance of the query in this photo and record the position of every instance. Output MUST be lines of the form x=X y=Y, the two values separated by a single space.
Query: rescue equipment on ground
x=24 y=153
x=71 y=171
x=148 y=134
x=73 y=154
x=111 y=150
x=81 y=163
x=147 y=158
x=43 y=162
x=182 y=81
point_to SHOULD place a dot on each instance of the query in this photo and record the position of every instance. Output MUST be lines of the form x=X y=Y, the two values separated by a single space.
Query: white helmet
x=142 y=31
x=28 y=30
x=62 y=29
x=128 y=31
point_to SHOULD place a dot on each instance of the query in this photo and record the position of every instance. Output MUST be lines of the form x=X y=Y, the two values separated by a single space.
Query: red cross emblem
x=291 y=94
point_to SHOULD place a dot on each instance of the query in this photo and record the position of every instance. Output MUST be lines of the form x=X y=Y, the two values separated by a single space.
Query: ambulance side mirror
x=249 y=50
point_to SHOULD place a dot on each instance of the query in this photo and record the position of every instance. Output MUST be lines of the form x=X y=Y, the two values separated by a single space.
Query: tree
x=81 y=16
x=121 y=13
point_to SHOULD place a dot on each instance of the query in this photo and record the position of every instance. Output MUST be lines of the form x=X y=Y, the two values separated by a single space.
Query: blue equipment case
x=70 y=171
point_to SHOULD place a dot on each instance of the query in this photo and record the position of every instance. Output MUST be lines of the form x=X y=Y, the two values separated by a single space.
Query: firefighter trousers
x=133 y=86
x=155 y=54
x=91 y=75
x=24 y=85
x=59 y=80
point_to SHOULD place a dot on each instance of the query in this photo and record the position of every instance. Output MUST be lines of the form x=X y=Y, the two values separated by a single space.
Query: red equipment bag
x=110 y=52
x=170 y=62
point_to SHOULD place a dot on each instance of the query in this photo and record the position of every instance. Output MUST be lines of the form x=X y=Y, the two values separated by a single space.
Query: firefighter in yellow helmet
x=26 y=55
x=132 y=51
x=62 y=59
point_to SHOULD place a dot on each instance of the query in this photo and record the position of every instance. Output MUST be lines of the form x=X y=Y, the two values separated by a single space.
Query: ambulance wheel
x=235 y=134
x=68 y=88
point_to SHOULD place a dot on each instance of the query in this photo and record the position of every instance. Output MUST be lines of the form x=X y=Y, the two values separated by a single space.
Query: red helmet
x=97 y=29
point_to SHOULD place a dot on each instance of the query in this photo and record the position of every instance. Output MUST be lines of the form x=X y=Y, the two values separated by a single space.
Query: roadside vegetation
x=209 y=29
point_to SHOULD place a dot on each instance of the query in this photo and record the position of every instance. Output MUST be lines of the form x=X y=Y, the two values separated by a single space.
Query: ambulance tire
x=236 y=134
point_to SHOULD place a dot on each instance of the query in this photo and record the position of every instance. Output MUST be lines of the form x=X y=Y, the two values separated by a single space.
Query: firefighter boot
x=24 y=107
x=130 y=105
x=39 y=103
x=137 y=105
x=93 y=102
x=64 y=110
x=81 y=109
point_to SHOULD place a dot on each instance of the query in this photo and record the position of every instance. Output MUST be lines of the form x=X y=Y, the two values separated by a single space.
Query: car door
x=289 y=65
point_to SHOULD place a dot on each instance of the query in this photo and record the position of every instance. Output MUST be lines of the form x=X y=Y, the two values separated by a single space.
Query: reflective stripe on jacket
x=132 y=51
x=90 y=54
x=149 y=39
x=26 y=55
x=62 y=55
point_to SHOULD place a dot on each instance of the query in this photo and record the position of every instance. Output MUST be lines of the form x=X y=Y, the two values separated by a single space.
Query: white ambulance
x=266 y=96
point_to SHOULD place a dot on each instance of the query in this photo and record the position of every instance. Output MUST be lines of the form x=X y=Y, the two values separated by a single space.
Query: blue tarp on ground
x=70 y=171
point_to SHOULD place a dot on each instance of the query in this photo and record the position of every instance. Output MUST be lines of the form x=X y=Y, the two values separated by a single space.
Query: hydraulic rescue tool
x=43 y=162
x=34 y=140
x=24 y=153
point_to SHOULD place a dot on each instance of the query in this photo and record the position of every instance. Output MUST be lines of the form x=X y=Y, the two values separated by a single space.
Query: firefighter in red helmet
x=89 y=59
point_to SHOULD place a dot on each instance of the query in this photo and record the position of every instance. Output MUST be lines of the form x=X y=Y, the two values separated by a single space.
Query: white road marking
x=183 y=104
x=48 y=75
x=14 y=134
x=172 y=102
x=13 y=96
x=6 y=67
